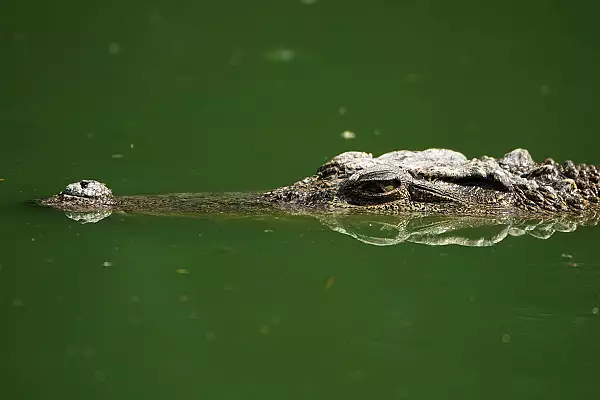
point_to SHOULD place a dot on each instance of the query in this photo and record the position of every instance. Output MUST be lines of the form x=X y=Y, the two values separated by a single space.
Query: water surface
x=166 y=97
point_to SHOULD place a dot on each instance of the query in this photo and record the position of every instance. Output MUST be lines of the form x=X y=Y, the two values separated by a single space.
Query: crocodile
x=428 y=182
x=433 y=197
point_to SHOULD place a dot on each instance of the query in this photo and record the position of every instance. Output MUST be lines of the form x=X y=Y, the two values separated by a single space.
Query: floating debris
x=1 y=179
x=348 y=135
x=88 y=352
x=358 y=374
x=71 y=351
x=505 y=338
x=107 y=264
x=268 y=230
x=330 y=281
x=265 y=330
x=117 y=155
x=411 y=78
x=308 y=2
x=280 y=55
x=17 y=36
x=564 y=255
x=236 y=57
x=155 y=16
x=342 y=110
x=17 y=303
x=99 y=376
x=210 y=335
x=114 y=48
x=182 y=271
x=132 y=145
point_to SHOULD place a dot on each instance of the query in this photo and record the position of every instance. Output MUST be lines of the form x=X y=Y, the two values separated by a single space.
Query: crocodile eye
x=378 y=187
x=376 y=192
x=84 y=184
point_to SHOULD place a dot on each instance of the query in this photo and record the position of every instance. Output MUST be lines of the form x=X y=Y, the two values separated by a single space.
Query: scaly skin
x=439 y=181
x=435 y=181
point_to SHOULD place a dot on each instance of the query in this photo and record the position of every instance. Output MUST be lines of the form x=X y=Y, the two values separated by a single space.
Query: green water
x=158 y=97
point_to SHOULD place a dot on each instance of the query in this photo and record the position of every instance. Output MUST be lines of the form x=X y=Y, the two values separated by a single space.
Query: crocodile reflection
x=446 y=230
x=433 y=230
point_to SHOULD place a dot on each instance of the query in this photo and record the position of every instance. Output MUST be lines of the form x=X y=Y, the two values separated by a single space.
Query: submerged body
x=434 y=181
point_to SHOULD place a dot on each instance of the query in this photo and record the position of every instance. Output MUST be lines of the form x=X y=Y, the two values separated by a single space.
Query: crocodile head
x=434 y=180
x=82 y=196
